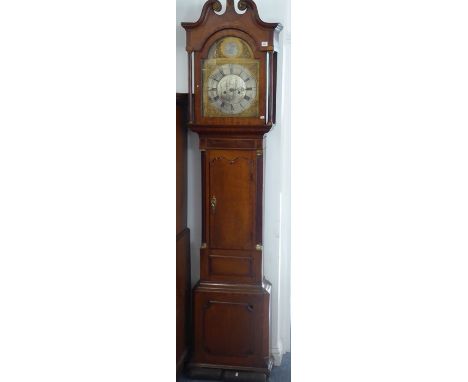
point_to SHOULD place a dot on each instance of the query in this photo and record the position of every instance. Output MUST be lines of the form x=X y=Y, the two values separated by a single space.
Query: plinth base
x=228 y=375
x=231 y=331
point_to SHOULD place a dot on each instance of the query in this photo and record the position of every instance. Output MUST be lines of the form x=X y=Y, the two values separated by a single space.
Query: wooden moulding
x=208 y=142
x=231 y=130
x=209 y=23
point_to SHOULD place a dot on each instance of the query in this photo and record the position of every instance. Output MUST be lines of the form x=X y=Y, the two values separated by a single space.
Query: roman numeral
x=247 y=98
x=248 y=88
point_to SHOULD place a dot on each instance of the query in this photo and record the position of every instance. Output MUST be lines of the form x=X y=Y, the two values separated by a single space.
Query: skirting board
x=277 y=354
x=181 y=361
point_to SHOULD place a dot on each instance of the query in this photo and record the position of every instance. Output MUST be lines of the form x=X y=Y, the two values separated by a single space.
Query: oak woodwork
x=211 y=26
x=231 y=326
x=231 y=302
x=250 y=22
x=231 y=183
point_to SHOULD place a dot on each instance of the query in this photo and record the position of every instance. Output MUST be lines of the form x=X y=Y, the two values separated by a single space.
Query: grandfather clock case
x=232 y=57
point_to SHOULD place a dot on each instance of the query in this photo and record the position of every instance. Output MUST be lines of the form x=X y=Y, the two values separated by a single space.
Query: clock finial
x=242 y=5
x=216 y=6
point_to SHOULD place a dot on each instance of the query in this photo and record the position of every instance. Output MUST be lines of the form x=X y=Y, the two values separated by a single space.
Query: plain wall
x=277 y=173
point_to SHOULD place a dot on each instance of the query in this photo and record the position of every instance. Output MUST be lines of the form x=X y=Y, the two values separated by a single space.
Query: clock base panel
x=232 y=326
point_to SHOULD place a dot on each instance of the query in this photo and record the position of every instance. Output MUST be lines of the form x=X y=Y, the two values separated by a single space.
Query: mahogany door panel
x=231 y=198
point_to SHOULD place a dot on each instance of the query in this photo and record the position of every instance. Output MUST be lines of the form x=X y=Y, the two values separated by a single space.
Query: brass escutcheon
x=213 y=203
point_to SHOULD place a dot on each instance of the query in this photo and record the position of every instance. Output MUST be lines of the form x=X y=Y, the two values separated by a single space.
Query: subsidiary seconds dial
x=231 y=88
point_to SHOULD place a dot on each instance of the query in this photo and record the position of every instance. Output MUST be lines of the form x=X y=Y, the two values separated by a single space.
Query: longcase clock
x=232 y=85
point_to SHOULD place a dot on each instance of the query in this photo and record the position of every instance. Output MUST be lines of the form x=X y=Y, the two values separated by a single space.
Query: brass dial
x=230 y=80
x=231 y=88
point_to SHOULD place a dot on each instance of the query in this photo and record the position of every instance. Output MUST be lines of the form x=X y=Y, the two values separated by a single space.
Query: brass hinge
x=259 y=153
x=203 y=246
x=259 y=247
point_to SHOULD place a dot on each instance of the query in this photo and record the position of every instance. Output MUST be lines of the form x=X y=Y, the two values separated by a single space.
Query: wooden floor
x=278 y=374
